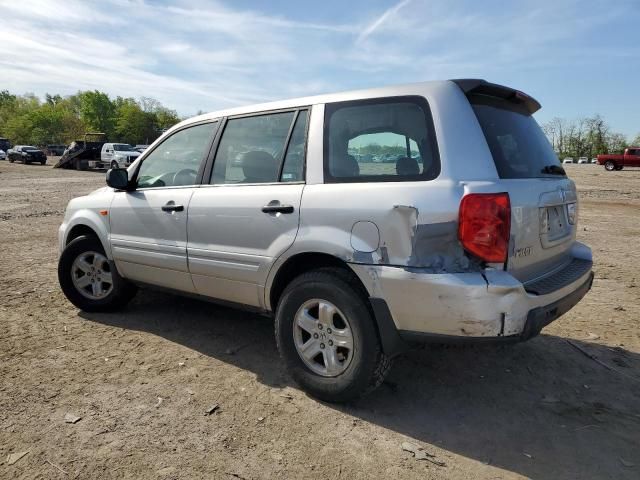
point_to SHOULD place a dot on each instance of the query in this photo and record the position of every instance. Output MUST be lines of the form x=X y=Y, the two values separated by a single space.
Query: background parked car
x=594 y=160
x=583 y=160
x=117 y=155
x=3 y=156
x=140 y=148
x=5 y=144
x=567 y=160
x=26 y=154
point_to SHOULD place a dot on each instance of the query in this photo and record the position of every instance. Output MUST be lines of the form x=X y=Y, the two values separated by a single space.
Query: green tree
x=26 y=119
x=52 y=99
x=584 y=137
x=616 y=143
x=133 y=125
x=97 y=111
x=8 y=104
x=166 y=118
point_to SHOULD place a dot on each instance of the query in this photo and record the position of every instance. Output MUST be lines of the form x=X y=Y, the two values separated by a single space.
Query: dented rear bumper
x=480 y=306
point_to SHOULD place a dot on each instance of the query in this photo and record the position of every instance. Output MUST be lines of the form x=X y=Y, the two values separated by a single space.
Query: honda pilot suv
x=363 y=221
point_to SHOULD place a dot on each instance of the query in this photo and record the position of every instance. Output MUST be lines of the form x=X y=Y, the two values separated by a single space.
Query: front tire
x=609 y=166
x=89 y=280
x=114 y=164
x=327 y=337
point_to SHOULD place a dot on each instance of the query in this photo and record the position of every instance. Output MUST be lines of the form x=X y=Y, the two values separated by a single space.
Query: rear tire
x=82 y=266
x=609 y=166
x=336 y=373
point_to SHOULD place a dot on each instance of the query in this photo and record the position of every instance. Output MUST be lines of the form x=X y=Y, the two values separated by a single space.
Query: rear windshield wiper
x=554 y=170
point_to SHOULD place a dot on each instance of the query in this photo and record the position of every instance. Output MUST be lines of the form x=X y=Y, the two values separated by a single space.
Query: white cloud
x=378 y=22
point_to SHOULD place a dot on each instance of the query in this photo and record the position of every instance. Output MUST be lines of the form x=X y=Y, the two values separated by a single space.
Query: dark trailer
x=83 y=154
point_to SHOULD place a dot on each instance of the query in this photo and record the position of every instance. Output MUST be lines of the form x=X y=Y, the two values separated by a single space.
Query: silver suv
x=363 y=221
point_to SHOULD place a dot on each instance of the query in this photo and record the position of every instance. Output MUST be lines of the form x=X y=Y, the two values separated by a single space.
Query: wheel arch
x=87 y=222
x=78 y=231
x=298 y=264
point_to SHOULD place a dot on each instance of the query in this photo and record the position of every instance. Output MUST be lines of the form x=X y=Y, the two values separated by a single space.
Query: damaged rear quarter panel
x=417 y=223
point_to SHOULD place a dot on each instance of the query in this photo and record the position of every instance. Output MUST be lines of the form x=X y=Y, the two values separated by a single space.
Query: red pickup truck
x=630 y=158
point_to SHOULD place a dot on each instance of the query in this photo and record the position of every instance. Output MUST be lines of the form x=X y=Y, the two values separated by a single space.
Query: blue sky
x=576 y=57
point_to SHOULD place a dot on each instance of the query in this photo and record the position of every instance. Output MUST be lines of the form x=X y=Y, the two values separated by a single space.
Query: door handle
x=277 y=208
x=172 y=207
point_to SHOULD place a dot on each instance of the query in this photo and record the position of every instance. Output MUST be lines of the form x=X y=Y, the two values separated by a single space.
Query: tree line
x=27 y=119
x=585 y=137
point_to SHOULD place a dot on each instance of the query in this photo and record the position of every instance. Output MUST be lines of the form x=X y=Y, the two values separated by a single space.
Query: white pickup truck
x=118 y=155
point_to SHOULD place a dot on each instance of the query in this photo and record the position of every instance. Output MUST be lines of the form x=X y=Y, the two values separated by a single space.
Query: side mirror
x=118 y=178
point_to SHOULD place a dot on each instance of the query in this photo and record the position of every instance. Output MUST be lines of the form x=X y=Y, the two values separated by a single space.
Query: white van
x=118 y=155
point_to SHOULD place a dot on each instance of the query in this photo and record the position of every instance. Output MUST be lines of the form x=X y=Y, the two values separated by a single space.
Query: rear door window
x=293 y=165
x=380 y=140
x=519 y=147
x=262 y=148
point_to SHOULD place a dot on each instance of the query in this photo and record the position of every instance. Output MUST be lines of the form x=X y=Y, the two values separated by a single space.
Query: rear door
x=149 y=225
x=543 y=199
x=249 y=213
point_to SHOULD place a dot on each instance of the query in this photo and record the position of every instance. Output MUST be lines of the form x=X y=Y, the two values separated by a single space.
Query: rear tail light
x=484 y=224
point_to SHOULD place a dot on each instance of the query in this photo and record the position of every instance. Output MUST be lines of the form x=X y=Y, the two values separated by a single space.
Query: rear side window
x=380 y=140
x=519 y=147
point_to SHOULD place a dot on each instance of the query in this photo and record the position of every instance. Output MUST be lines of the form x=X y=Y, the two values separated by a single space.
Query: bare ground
x=564 y=405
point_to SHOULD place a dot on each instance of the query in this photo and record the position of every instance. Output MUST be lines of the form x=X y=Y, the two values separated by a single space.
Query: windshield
x=122 y=147
x=519 y=147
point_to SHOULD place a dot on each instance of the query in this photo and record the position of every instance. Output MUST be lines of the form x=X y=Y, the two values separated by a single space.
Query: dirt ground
x=565 y=405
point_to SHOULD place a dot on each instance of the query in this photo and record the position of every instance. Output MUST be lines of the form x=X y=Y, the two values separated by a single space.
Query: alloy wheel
x=323 y=338
x=91 y=275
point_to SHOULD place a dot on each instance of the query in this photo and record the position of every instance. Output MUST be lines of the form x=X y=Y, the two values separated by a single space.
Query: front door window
x=176 y=161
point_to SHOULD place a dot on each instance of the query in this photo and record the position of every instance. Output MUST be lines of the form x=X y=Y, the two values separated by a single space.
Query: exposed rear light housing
x=484 y=225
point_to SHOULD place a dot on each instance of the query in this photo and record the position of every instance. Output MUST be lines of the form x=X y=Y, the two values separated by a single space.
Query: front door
x=149 y=225
x=248 y=215
x=107 y=153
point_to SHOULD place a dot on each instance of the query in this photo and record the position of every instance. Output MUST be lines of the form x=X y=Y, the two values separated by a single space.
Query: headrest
x=259 y=167
x=407 y=166
x=345 y=166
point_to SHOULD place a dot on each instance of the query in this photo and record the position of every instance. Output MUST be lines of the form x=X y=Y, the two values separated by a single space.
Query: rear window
x=519 y=147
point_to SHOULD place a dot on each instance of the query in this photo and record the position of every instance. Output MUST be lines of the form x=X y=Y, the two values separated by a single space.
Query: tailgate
x=543 y=226
x=543 y=200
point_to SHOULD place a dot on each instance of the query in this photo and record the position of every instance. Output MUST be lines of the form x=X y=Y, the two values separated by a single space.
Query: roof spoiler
x=477 y=86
